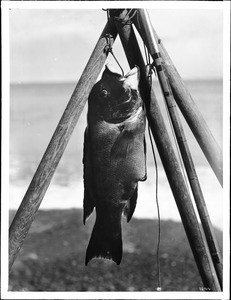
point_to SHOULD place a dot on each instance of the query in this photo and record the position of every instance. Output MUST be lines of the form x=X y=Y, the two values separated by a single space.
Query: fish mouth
x=124 y=102
x=132 y=72
x=132 y=78
x=110 y=67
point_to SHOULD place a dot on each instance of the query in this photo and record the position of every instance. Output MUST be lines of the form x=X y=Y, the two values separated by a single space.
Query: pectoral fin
x=123 y=145
x=126 y=140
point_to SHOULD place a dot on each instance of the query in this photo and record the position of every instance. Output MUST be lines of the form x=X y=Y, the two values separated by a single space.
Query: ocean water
x=35 y=110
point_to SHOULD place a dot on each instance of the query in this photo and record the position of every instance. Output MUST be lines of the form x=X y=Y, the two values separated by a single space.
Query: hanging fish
x=114 y=159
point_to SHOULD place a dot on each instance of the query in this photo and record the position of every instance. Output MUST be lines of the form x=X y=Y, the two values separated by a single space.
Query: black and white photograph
x=115 y=150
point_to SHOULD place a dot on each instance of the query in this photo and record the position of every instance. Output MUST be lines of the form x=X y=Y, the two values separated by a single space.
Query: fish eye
x=104 y=93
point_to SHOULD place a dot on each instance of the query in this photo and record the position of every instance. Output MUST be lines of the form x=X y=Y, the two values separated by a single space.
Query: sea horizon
x=72 y=81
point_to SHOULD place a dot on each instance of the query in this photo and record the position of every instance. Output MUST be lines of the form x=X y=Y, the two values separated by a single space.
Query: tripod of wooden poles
x=121 y=21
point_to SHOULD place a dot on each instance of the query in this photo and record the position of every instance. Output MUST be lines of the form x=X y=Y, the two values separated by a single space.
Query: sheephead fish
x=114 y=159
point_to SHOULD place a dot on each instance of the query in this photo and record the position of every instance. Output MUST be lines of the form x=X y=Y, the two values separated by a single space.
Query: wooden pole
x=44 y=173
x=192 y=114
x=146 y=28
x=168 y=157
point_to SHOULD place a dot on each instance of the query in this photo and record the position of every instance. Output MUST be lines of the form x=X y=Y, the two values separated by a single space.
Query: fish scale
x=114 y=159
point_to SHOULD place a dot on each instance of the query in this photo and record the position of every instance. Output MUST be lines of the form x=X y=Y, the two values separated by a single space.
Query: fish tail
x=105 y=241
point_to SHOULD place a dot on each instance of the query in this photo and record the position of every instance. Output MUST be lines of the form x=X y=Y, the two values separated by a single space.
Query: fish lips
x=132 y=79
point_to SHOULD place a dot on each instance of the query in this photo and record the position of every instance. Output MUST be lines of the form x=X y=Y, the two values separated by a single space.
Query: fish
x=114 y=159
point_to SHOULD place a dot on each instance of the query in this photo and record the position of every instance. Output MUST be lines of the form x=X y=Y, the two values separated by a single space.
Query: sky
x=55 y=44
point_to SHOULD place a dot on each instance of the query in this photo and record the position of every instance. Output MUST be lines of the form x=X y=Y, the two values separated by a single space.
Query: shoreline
x=69 y=194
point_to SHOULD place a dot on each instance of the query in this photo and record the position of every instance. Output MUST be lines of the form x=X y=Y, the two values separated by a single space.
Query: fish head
x=115 y=97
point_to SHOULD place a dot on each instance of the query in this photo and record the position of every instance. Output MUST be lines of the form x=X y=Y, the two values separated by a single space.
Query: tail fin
x=105 y=242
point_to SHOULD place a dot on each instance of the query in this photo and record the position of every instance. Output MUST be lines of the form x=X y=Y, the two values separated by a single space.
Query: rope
x=127 y=19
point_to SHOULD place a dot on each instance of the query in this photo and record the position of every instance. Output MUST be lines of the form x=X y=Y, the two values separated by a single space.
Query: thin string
x=158 y=214
x=149 y=76
x=117 y=62
x=108 y=48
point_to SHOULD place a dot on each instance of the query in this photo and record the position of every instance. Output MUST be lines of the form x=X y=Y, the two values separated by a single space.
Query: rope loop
x=108 y=49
